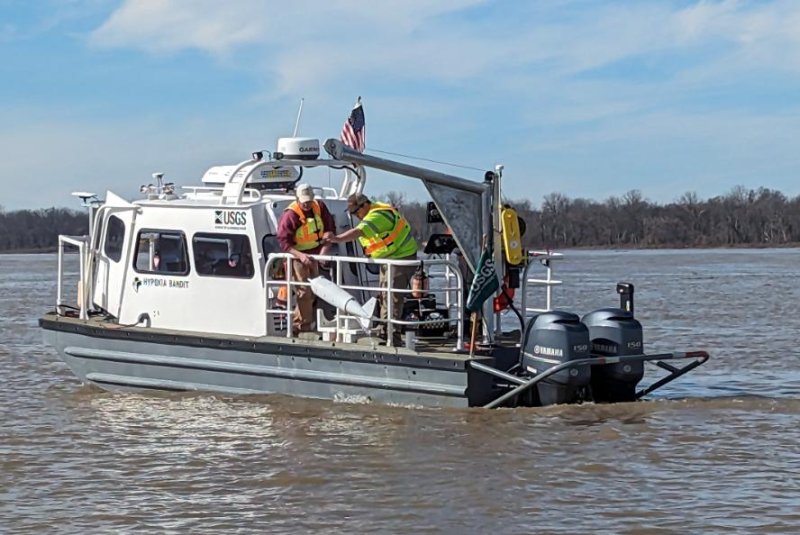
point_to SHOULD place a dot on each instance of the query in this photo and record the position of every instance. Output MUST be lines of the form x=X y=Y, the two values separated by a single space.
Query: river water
x=718 y=451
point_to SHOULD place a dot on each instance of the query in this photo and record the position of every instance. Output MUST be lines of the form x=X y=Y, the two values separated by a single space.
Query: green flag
x=485 y=283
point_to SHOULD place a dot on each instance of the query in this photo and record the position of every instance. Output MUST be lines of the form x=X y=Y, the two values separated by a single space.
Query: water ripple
x=715 y=452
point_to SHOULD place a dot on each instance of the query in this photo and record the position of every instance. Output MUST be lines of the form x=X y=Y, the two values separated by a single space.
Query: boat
x=187 y=290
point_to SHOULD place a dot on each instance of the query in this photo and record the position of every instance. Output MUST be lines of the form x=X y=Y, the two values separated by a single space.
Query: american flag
x=354 y=131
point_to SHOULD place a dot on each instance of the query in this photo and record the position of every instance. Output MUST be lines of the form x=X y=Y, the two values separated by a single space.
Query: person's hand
x=306 y=260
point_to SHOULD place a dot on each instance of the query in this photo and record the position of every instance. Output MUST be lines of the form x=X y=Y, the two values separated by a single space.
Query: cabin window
x=269 y=245
x=162 y=252
x=115 y=237
x=222 y=255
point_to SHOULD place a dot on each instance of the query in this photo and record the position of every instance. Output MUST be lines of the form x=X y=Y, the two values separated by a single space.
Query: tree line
x=743 y=217
x=38 y=230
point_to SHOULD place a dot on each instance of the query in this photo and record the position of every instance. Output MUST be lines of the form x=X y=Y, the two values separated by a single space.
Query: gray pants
x=401 y=278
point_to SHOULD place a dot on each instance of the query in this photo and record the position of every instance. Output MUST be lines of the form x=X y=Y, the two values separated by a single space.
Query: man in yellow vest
x=383 y=233
x=301 y=230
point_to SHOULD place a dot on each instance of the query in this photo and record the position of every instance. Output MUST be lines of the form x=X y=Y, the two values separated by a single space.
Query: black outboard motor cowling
x=615 y=332
x=551 y=339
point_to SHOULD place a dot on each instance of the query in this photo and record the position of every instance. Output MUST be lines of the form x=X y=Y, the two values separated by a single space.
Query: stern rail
x=82 y=243
x=545 y=259
x=451 y=272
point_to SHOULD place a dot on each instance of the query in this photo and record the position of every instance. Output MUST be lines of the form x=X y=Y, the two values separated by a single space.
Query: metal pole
x=60 y=275
x=297 y=122
x=83 y=255
x=487 y=310
x=497 y=373
x=497 y=241
x=389 y=306
x=289 y=296
x=702 y=356
x=340 y=151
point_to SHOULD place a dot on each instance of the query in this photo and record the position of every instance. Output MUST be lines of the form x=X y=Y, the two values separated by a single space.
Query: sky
x=587 y=98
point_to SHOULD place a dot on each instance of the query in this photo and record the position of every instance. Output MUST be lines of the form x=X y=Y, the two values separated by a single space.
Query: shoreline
x=793 y=245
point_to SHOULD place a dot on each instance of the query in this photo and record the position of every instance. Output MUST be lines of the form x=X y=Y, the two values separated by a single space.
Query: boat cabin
x=206 y=258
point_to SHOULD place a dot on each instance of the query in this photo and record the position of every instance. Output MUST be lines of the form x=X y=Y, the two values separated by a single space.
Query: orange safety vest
x=309 y=234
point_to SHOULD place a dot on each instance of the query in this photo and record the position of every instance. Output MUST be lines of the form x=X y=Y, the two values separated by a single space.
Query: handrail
x=545 y=259
x=341 y=261
x=81 y=243
x=327 y=192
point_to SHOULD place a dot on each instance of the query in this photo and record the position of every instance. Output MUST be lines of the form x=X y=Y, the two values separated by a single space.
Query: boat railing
x=82 y=244
x=248 y=195
x=326 y=192
x=452 y=288
x=538 y=260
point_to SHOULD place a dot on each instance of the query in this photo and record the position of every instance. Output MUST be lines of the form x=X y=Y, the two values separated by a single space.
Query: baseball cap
x=304 y=193
x=356 y=201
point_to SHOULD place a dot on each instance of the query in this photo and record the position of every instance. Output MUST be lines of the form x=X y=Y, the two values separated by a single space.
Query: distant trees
x=743 y=217
x=38 y=230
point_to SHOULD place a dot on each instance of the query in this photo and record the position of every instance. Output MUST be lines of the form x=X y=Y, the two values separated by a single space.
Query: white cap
x=304 y=193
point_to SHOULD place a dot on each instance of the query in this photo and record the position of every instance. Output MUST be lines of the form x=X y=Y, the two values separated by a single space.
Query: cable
x=143 y=318
x=427 y=160
x=504 y=289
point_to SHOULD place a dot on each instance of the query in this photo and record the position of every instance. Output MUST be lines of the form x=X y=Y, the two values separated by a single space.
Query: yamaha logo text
x=548 y=351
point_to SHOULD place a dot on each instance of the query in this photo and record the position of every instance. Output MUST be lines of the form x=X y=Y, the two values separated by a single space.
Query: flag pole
x=474 y=334
x=475 y=318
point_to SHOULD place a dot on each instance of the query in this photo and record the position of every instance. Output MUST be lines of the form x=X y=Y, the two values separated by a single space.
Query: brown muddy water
x=718 y=451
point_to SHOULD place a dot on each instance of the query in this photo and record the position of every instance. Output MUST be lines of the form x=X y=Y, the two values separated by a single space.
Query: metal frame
x=523 y=385
x=545 y=258
x=451 y=271
x=82 y=243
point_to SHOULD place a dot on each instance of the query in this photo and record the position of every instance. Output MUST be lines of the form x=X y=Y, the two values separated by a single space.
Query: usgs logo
x=236 y=218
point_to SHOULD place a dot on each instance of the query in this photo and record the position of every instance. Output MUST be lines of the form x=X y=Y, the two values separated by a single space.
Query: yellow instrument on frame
x=512 y=239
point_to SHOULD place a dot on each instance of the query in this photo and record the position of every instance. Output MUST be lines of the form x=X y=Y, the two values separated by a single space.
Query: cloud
x=160 y=26
x=163 y=26
x=306 y=43
x=574 y=93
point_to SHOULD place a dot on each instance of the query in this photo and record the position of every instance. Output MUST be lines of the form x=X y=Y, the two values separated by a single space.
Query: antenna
x=297 y=122
x=91 y=202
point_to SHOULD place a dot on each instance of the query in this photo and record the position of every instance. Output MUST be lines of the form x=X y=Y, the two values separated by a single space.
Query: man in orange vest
x=301 y=230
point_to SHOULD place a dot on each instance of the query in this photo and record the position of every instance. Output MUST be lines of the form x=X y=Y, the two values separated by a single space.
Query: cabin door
x=112 y=249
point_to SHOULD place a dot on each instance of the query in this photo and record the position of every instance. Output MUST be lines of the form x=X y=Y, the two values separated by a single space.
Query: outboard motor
x=615 y=332
x=551 y=339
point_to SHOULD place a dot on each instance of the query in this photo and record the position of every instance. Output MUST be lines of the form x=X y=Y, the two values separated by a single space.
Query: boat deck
x=435 y=351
